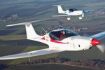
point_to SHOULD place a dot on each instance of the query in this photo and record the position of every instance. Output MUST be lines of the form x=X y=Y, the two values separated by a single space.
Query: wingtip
x=8 y=25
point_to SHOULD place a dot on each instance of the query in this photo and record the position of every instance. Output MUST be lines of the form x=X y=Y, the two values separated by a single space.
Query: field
x=46 y=67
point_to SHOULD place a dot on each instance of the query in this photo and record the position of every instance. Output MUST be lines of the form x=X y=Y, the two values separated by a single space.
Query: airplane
x=58 y=40
x=70 y=12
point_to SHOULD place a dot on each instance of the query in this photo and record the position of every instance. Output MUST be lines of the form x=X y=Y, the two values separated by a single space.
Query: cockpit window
x=71 y=10
x=61 y=34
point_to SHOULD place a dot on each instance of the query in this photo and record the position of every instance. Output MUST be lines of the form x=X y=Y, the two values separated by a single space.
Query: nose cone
x=95 y=42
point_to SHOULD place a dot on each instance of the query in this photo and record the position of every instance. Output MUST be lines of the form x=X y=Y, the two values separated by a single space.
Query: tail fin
x=60 y=9
x=30 y=32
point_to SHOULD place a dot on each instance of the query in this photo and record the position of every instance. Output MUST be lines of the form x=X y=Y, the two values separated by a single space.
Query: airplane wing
x=99 y=36
x=29 y=54
x=60 y=15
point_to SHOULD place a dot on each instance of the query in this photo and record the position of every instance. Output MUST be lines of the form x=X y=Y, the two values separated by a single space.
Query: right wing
x=29 y=54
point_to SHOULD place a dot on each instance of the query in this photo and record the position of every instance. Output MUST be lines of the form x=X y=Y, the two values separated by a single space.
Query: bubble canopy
x=62 y=34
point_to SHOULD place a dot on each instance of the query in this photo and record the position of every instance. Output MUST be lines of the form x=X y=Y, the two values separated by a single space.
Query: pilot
x=62 y=35
x=71 y=10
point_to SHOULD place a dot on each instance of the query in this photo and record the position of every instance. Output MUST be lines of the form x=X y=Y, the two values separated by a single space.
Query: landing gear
x=80 y=18
x=68 y=18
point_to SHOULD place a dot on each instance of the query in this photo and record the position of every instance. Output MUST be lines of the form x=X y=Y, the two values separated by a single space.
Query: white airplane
x=58 y=40
x=70 y=12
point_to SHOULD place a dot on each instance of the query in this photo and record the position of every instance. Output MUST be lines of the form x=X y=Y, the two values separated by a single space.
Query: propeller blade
x=88 y=11
x=101 y=48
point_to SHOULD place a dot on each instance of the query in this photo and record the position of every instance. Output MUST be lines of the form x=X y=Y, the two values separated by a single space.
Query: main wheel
x=80 y=18
x=68 y=18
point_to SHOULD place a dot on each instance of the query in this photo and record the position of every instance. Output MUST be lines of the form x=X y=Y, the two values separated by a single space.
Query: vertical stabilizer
x=60 y=10
x=30 y=32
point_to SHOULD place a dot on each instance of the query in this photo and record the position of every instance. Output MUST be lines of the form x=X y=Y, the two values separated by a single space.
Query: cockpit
x=71 y=10
x=61 y=34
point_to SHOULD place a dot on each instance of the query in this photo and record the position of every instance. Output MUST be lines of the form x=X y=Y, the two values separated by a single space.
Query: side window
x=54 y=35
x=60 y=35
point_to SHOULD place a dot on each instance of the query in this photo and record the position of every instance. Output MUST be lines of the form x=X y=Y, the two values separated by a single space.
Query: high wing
x=29 y=54
x=99 y=36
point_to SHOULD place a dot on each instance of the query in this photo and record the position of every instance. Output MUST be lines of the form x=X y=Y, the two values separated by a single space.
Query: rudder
x=30 y=32
x=60 y=10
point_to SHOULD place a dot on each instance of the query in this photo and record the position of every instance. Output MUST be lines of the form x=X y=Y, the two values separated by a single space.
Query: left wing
x=29 y=54
x=60 y=15
x=99 y=36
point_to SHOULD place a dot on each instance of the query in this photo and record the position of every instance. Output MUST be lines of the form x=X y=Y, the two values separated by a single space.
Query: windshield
x=61 y=34
x=71 y=10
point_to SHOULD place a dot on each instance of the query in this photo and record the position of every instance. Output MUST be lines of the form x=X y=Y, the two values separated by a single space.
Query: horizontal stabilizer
x=23 y=23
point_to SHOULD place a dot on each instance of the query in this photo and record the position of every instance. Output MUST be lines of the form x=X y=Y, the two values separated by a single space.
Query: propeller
x=88 y=11
x=98 y=44
x=101 y=47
